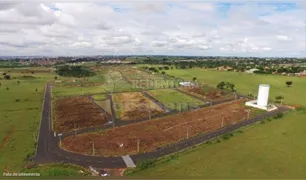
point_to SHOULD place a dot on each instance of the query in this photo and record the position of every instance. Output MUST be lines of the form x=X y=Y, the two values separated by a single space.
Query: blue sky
x=153 y=27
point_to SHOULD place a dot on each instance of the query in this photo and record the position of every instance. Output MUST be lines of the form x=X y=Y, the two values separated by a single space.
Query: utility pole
x=93 y=148
x=187 y=133
x=138 y=145
x=222 y=122
x=60 y=138
x=74 y=128
x=149 y=112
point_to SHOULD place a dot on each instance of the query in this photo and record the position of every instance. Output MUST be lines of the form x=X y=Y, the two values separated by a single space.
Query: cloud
x=138 y=27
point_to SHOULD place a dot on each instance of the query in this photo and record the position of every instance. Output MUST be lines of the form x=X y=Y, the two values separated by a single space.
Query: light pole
x=138 y=145
x=222 y=122
x=75 y=133
x=149 y=112
x=93 y=148
x=187 y=133
x=60 y=138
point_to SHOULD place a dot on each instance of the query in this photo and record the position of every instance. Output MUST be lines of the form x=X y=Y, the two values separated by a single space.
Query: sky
x=195 y=28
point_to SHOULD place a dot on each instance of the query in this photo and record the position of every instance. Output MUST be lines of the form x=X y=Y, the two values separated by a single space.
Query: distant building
x=224 y=68
x=251 y=70
x=186 y=84
x=302 y=73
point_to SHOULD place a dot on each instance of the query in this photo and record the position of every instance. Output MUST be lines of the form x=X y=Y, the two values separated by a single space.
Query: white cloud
x=183 y=28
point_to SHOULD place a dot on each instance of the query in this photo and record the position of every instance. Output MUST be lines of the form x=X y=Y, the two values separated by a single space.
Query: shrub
x=17 y=100
x=146 y=163
x=278 y=116
x=7 y=88
x=218 y=141
x=227 y=136
x=262 y=122
x=208 y=142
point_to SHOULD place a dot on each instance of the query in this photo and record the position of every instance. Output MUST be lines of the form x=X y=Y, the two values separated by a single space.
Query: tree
x=221 y=85
x=36 y=89
x=55 y=77
x=7 y=88
x=18 y=82
x=3 y=74
x=288 y=83
x=163 y=72
x=7 y=77
x=194 y=79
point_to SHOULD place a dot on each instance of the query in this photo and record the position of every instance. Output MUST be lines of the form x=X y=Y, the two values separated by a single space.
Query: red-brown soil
x=135 y=106
x=78 y=112
x=158 y=132
x=7 y=138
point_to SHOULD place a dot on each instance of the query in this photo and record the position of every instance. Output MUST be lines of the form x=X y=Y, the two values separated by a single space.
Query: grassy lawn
x=271 y=150
x=58 y=170
x=248 y=83
x=99 y=97
x=105 y=104
x=20 y=114
x=174 y=99
x=70 y=91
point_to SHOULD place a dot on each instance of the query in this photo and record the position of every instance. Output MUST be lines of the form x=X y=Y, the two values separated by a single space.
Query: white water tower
x=263 y=95
x=262 y=99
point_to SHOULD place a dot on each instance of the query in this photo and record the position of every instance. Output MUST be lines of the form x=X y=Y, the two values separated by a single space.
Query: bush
x=17 y=100
x=218 y=141
x=278 y=116
x=146 y=163
x=227 y=136
x=262 y=122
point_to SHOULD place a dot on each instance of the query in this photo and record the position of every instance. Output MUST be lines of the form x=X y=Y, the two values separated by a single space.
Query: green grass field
x=174 y=99
x=99 y=97
x=20 y=114
x=248 y=83
x=271 y=150
x=58 y=170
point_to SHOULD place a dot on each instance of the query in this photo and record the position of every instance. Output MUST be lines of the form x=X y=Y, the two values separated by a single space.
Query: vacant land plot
x=273 y=150
x=134 y=106
x=175 y=99
x=76 y=113
x=207 y=93
x=105 y=104
x=157 y=133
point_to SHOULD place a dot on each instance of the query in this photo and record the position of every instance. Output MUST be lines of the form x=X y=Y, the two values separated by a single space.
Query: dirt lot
x=207 y=93
x=158 y=132
x=133 y=106
x=78 y=110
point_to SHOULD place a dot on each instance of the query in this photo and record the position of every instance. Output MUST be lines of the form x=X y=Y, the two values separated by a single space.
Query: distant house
x=302 y=73
x=186 y=84
x=251 y=70
x=224 y=68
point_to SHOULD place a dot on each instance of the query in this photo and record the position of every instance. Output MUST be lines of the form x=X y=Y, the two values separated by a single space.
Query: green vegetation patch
x=175 y=99
x=74 y=71
x=58 y=170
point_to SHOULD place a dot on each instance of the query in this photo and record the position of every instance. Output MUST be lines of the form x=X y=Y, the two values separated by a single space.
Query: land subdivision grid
x=48 y=149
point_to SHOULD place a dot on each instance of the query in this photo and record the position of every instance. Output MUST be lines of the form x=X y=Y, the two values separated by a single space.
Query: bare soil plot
x=157 y=133
x=134 y=106
x=76 y=112
x=207 y=93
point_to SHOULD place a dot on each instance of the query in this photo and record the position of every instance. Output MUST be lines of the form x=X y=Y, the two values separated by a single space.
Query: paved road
x=48 y=149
